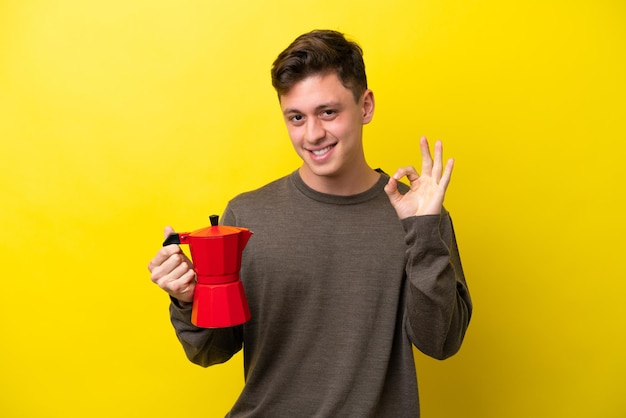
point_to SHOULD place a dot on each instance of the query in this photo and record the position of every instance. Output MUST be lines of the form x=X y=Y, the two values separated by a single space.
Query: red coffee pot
x=219 y=300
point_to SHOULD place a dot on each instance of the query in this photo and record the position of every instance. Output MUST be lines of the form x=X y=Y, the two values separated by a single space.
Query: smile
x=323 y=151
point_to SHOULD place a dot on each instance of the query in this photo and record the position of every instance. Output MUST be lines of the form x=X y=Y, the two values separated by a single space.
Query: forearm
x=203 y=346
x=439 y=306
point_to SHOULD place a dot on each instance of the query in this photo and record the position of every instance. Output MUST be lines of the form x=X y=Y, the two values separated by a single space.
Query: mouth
x=319 y=153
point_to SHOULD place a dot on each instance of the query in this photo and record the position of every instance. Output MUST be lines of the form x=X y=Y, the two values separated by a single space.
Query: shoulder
x=258 y=203
x=267 y=192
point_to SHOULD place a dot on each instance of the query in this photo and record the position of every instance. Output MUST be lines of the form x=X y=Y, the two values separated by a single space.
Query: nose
x=315 y=131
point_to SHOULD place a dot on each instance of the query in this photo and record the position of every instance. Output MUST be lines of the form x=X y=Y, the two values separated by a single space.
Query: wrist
x=181 y=304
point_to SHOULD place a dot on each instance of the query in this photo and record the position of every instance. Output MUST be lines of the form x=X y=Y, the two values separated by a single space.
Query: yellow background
x=119 y=117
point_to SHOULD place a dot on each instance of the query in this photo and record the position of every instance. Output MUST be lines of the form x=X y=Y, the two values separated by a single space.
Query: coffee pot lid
x=215 y=230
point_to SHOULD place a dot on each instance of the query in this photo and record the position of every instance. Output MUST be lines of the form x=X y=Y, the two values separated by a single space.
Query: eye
x=328 y=114
x=296 y=119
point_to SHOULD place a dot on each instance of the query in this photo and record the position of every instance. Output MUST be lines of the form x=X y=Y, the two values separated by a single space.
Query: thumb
x=391 y=189
x=167 y=231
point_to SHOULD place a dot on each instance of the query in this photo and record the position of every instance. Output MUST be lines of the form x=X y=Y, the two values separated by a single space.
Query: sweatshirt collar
x=365 y=196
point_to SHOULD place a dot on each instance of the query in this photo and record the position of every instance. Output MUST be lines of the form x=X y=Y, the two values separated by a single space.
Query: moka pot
x=219 y=300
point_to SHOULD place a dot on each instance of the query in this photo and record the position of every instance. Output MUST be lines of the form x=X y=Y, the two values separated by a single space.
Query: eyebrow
x=319 y=108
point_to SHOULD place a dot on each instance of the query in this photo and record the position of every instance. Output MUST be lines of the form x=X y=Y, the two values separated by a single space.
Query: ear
x=368 y=106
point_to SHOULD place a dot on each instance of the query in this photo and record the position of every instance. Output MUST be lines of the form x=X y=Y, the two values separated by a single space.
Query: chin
x=321 y=171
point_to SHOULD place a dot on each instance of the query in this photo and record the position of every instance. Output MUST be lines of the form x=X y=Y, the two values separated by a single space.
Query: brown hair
x=320 y=52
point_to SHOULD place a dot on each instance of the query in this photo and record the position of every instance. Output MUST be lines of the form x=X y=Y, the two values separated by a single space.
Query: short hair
x=320 y=52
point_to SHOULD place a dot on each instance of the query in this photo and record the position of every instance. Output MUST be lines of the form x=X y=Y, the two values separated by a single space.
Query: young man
x=348 y=268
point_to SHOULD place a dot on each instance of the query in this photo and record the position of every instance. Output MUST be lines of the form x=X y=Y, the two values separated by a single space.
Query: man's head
x=320 y=52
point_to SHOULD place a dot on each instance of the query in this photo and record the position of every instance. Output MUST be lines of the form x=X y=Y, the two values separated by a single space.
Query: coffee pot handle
x=172 y=238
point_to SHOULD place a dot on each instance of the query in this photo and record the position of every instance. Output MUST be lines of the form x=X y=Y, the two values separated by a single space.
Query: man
x=347 y=268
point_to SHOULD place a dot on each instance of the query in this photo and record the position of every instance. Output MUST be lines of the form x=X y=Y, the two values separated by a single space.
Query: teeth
x=322 y=151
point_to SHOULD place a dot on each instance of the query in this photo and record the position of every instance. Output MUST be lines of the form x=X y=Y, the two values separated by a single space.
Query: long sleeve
x=203 y=346
x=438 y=303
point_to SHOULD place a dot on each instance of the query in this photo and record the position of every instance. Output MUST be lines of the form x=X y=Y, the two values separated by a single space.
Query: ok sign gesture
x=427 y=190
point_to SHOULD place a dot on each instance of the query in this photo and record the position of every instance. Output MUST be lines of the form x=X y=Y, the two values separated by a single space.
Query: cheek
x=341 y=129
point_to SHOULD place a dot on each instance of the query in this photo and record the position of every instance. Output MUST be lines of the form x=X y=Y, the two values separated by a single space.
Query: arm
x=204 y=346
x=438 y=302
x=439 y=306
x=173 y=272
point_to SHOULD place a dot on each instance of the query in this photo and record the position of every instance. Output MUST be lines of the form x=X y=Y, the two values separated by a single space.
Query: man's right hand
x=173 y=272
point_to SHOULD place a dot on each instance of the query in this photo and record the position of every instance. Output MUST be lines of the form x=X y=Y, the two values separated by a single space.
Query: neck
x=348 y=184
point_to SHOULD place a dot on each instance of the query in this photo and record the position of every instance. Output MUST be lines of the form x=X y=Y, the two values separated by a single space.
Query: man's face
x=325 y=125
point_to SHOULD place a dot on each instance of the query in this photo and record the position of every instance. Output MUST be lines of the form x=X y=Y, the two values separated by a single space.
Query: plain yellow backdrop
x=118 y=118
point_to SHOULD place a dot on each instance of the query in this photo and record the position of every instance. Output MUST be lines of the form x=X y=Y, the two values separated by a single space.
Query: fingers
x=396 y=198
x=447 y=174
x=427 y=190
x=433 y=166
x=409 y=172
x=162 y=255
x=427 y=161
x=437 y=164
x=182 y=285
x=173 y=272
x=391 y=188
x=169 y=264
